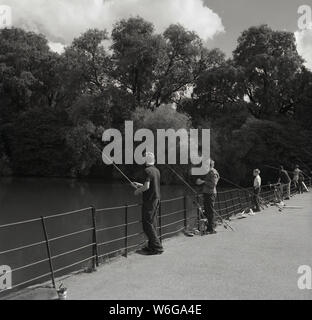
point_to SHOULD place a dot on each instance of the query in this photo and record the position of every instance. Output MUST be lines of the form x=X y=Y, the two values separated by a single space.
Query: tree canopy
x=55 y=107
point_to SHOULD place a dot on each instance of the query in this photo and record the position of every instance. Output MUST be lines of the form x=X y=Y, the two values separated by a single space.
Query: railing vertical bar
x=219 y=205
x=233 y=203
x=126 y=231
x=185 y=211
x=198 y=212
x=95 y=239
x=247 y=198
x=226 y=206
x=160 y=221
x=46 y=236
x=240 y=200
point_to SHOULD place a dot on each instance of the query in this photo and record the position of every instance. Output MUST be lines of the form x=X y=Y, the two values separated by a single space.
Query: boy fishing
x=257 y=189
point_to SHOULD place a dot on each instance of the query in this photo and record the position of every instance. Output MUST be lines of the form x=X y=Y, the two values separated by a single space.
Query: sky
x=218 y=22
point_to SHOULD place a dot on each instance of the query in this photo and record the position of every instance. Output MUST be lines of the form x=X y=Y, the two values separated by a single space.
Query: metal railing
x=101 y=234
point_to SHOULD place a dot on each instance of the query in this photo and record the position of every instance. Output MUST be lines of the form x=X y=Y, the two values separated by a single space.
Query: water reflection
x=28 y=198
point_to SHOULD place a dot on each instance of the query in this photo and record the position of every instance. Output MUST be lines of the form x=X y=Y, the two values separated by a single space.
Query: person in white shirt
x=257 y=190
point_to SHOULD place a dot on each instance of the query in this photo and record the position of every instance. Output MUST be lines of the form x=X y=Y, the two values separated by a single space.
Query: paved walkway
x=258 y=261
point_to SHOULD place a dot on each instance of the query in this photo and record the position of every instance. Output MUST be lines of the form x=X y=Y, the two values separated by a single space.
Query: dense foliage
x=55 y=107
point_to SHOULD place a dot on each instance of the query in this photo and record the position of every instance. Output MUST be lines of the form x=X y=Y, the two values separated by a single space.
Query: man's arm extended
x=200 y=182
x=143 y=188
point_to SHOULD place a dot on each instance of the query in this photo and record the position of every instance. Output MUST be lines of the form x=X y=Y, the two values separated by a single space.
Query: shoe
x=155 y=252
x=212 y=232
x=287 y=198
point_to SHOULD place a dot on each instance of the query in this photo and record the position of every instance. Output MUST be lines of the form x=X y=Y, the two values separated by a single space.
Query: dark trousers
x=300 y=186
x=296 y=183
x=256 y=198
x=149 y=219
x=209 y=203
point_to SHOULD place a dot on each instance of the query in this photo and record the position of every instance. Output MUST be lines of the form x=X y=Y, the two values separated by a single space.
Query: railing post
x=198 y=211
x=126 y=230
x=95 y=240
x=48 y=251
x=247 y=197
x=226 y=206
x=233 y=204
x=240 y=200
x=185 y=211
x=160 y=222
x=219 y=205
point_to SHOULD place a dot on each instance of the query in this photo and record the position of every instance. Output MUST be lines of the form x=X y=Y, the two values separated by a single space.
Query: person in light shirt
x=296 y=175
x=257 y=189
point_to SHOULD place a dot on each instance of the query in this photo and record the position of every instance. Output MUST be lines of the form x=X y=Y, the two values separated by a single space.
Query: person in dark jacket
x=300 y=182
x=285 y=182
x=209 y=188
x=151 y=203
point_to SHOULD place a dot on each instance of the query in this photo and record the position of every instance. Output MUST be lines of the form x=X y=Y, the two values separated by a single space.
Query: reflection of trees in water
x=4 y=189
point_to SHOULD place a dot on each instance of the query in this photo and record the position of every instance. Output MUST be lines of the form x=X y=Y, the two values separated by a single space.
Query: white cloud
x=62 y=20
x=304 y=45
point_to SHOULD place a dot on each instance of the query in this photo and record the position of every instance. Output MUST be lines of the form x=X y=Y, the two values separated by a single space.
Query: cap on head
x=150 y=158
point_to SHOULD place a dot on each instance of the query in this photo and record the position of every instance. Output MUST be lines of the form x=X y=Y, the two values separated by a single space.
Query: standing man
x=151 y=203
x=300 y=182
x=209 y=184
x=285 y=182
x=296 y=174
x=257 y=189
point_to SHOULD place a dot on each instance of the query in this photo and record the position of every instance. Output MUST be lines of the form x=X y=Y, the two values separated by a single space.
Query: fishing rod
x=225 y=224
x=275 y=168
x=237 y=186
x=305 y=166
x=244 y=189
x=120 y=171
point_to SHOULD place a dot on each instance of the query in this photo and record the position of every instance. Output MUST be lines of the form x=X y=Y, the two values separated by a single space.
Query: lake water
x=28 y=198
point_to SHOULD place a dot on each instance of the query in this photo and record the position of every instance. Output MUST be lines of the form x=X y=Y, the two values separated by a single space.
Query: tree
x=165 y=117
x=136 y=52
x=270 y=63
x=27 y=71
x=37 y=145
x=89 y=62
x=303 y=111
x=217 y=89
x=157 y=69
